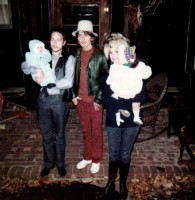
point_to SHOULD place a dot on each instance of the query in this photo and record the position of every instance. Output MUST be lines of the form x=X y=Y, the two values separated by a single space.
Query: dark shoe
x=110 y=187
x=61 y=171
x=123 y=191
x=45 y=171
x=124 y=170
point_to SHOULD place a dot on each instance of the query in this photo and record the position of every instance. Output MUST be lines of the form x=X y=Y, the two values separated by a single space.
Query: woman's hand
x=118 y=119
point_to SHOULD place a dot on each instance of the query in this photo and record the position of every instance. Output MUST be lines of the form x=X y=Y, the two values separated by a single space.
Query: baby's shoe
x=125 y=113
x=138 y=121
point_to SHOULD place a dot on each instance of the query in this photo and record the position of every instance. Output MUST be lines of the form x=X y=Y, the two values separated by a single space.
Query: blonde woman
x=122 y=130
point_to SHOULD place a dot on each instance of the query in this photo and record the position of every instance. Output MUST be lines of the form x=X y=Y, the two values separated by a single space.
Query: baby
x=126 y=78
x=39 y=57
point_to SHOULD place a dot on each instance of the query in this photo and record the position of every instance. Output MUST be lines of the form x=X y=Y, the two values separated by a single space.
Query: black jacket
x=97 y=65
x=60 y=70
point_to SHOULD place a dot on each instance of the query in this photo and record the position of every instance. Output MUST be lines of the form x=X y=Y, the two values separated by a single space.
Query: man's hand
x=96 y=106
x=39 y=76
x=75 y=100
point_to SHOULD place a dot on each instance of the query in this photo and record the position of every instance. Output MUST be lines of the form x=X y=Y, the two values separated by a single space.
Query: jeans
x=91 y=123
x=52 y=116
x=121 y=142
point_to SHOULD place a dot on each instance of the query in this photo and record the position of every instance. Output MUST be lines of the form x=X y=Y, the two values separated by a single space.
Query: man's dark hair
x=90 y=34
x=59 y=30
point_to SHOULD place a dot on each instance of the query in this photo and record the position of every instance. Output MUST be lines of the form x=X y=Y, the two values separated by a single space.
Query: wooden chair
x=157 y=88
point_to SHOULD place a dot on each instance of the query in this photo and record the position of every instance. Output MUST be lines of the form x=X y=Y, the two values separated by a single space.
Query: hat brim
x=75 y=32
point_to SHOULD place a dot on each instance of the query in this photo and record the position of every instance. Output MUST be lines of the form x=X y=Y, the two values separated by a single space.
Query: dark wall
x=117 y=16
x=166 y=39
x=30 y=20
x=171 y=37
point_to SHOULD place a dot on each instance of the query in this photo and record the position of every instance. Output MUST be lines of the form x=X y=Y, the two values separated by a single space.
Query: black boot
x=113 y=169
x=123 y=170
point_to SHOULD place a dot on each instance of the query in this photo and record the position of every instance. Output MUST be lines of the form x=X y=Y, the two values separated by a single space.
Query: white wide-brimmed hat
x=84 y=25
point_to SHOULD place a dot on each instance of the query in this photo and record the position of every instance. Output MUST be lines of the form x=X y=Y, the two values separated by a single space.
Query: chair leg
x=169 y=130
x=181 y=153
x=153 y=129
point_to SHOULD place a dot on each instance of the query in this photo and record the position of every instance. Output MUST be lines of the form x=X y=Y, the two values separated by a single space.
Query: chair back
x=157 y=87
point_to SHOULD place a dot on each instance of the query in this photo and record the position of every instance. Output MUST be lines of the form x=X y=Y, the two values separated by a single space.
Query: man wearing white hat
x=87 y=96
x=84 y=25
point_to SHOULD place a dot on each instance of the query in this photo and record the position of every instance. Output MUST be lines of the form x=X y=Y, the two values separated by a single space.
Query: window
x=5 y=14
